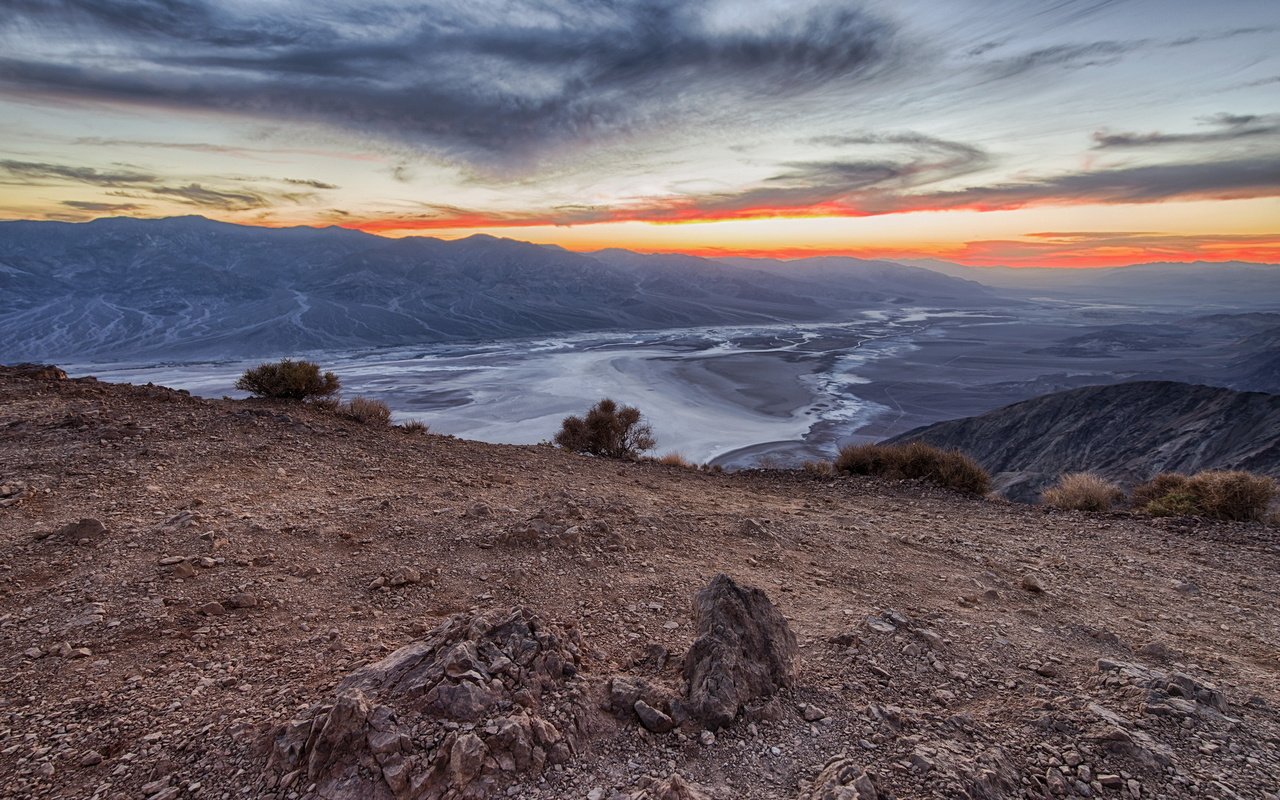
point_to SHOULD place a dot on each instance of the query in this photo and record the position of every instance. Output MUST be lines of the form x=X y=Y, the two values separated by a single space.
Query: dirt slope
x=1149 y=665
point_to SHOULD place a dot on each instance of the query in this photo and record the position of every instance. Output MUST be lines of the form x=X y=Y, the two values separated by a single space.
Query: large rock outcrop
x=456 y=715
x=745 y=652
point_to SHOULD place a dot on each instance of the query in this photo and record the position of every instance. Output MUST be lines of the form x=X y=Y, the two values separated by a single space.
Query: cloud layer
x=463 y=115
x=482 y=79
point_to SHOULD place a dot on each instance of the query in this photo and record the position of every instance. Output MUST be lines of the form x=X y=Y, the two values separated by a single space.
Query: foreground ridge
x=192 y=591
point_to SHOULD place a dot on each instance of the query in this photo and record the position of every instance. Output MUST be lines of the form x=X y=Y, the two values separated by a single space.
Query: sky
x=1071 y=133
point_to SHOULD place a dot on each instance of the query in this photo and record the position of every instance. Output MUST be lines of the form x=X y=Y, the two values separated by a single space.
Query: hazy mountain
x=871 y=281
x=1232 y=284
x=188 y=286
x=1258 y=367
x=1127 y=432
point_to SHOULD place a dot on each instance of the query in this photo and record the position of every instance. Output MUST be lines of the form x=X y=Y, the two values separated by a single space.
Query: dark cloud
x=314 y=184
x=1072 y=56
x=1256 y=177
x=197 y=195
x=134 y=184
x=36 y=171
x=958 y=156
x=867 y=189
x=1225 y=128
x=177 y=21
x=114 y=208
x=482 y=77
x=1065 y=56
x=1217 y=36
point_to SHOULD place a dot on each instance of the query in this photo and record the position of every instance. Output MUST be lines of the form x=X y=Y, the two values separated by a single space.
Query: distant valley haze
x=738 y=361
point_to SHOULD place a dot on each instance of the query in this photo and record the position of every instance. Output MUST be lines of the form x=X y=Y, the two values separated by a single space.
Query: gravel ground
x=248 y=556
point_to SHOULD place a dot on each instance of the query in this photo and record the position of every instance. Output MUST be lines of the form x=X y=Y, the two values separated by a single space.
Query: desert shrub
x=414 y=426
x=367 y=411
x=1173 y=504
x=821 y=469
x=866 y=459
x=1083 y=491
x=607 y=430
x=1221 y=494
x=949 y=468
x=1162 y=485
x=1233 y=495
x=914 y=461
x=674 y=459
x=288 y=380
x=331 y=403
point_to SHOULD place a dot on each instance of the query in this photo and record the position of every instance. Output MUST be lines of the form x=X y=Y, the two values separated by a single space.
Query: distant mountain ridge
x=1127 y=432
x=1233 y=284
x=191 y=287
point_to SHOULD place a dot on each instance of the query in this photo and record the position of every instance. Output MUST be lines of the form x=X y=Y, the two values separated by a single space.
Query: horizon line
x=783 y=254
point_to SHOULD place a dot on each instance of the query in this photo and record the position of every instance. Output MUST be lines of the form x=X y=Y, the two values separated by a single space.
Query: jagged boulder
x=841 y=779
x=745 y=651
x=653 y=705
x=450 y=717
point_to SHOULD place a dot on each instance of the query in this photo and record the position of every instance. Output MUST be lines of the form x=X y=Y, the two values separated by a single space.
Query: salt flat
x=735 y=396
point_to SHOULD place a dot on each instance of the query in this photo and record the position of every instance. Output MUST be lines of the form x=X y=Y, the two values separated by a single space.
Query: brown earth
x=251 y=556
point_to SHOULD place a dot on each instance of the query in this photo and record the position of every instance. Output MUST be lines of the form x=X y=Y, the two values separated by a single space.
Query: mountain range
x=1230 y=284
x=189 y=286
x=1127 y=432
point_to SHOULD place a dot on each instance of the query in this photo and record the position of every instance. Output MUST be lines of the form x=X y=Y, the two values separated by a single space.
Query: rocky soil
x=232 y=599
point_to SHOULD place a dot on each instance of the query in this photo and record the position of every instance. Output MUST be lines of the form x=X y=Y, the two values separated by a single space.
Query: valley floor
x=952 y=647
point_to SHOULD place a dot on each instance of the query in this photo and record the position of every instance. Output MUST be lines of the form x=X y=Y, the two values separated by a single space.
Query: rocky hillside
x=223 y=599
x=1127 y=432
x=189 y=286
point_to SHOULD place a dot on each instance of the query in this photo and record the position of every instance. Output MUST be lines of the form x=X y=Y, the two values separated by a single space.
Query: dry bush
x=1233 y=495
x=821 y=469
x=674 y=459
x=866 y=459
x=1221 y=494
x=326 y=403
x=607 y=430
x=414 y=426
x=1173 y=504
x=949 y=468
x=288 y=380
x=1083 y=491
x=367 y=411
x=1160 y=486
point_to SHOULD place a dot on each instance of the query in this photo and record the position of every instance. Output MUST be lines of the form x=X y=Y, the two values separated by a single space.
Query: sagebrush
x=674 y=459
x=607 y=430
x=1221 y=494
x=949 y=468
x=367 y=411
x=288 y=379
x=1083 y=491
